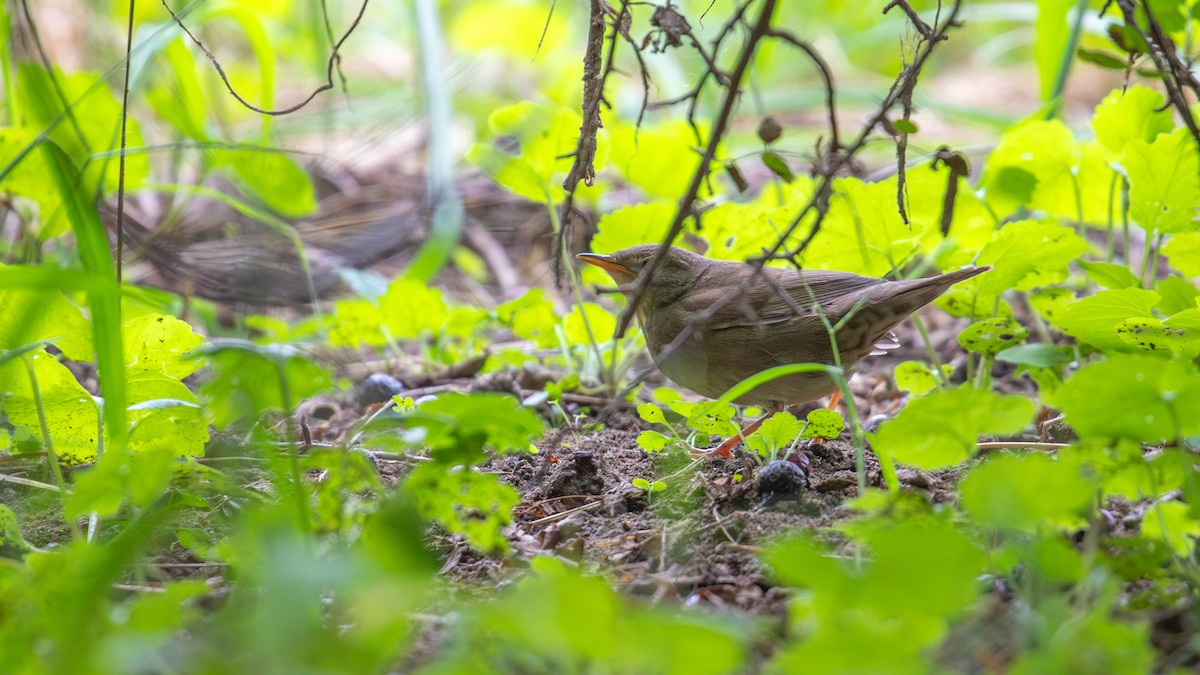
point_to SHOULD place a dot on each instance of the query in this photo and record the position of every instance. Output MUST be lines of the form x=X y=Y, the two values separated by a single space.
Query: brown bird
x=710 y=324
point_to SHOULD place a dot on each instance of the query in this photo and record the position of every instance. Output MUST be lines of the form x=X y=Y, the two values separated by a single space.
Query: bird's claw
x=711 y=453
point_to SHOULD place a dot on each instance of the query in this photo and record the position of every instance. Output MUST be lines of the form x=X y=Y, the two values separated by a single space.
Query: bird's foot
x=725 y=450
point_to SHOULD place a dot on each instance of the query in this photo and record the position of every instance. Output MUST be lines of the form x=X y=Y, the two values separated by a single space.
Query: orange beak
x=606 y=263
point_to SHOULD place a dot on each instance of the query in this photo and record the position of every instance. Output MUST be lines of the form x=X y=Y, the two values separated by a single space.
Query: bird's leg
x=725 y=449
x=834 y=399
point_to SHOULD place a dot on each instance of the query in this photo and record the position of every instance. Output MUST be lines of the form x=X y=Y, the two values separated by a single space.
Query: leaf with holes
x=992 y=336
x=1094 y=319
x=1150 y=333
x=918 y=378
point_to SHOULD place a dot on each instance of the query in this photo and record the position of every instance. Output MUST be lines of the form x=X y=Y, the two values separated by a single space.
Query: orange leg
x=834 y=399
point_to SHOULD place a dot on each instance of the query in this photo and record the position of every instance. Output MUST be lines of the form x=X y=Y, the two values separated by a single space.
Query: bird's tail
x=876 y=315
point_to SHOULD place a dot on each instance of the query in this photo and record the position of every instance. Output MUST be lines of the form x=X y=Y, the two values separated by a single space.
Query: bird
x=709 y=324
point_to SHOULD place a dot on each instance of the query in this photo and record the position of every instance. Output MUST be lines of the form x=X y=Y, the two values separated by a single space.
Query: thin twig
x=334 y=60
x=563 y=514
x=686 y=206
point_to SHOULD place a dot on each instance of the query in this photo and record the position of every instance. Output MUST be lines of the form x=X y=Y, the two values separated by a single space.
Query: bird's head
x=676 y=273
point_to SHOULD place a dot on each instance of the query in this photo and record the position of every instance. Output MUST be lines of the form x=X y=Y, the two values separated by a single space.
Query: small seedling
x=650 y=488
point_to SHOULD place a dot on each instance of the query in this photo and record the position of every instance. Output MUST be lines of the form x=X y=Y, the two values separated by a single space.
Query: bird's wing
x=786 y=293
x=775 y=296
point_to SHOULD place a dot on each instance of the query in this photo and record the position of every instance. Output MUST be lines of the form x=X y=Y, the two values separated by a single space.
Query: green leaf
x=1027 y=493
x=587 y=315
x=71 y=414
x=29 y=316
x=658 y=159
x=1140 y=397
x=248 y=379
x=940 y=430
x=12 y=545
x=776 y=433
x=711 y=417
x=531 y=317
x=28 y=179
x=939 y=564
x=1150 y=334
x=180 y=100
x=91 y=127
x=1086 y=640
x=894 y=645
x=1172 y=524
x=823 y=423
x=159 y=343
x=1100 y=58
x=1110 y=275
x=475 y=505
x=915 y=377
x=1094 y=319
x=1056 y=560
x=856 y=617
x=991 y=336
x=410 y=307
x=492 y=419
x=139 y=477
x=651 y=413
x=472 y=29
x=629 y=226
x=547 y=135
x=270 y=177
x=1163 y=190
x=1133 y=114
x=1026 y=254
x=736 y=231
x=1051 y=303
x=863 y=232
x=167 y=416
x=1178 y=294
x=1033 y=166
x=1183 y=250
x=1037 y=355
x=652 y=441
x=666 y=395
x=356 y=322
x=514 y=173
x=777 y=166
x=703 y=646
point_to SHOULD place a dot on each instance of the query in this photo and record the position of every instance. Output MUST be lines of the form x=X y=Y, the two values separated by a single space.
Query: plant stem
x=447 y=216
x=51 y=455
x=933 y=355
x=304 y=520
x=1068 y=57
x=573 y=280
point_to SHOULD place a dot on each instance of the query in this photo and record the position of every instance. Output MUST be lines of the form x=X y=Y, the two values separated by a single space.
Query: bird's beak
x=606 y=263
